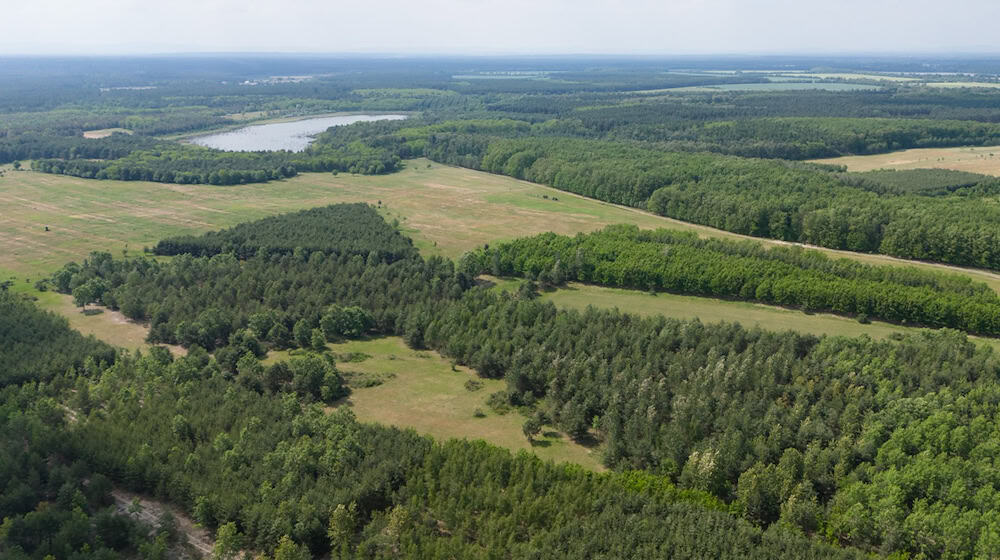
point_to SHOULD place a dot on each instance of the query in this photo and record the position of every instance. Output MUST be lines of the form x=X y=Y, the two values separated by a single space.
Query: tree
x=289 y=550
x=228 y=542
x=83 y=294
x=343 y=521
x=532 y=427
x=302 y=334
x=318 y=341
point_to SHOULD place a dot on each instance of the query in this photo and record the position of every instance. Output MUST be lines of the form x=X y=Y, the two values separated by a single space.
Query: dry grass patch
x=104 y=132
x=975 y=159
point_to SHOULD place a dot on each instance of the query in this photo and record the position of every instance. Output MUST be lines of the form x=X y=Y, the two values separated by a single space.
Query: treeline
x=349 y=229
x=813 y=137
x=24 y=328
x=38 y=146
x=792 y=202
x=625 y=257
x=185 y=164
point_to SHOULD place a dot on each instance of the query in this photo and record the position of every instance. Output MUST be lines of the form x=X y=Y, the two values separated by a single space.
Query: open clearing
x=105 y=132
x=713 y=310
x=424 y=393
x=976 y=159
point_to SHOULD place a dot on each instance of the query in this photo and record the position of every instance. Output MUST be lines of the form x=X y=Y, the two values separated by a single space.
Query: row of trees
x=624 y=256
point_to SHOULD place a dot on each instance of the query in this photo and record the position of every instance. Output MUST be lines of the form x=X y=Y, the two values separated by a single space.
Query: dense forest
x=348 y=229
x=720 y=441
x=822 y=435
x=24 y=329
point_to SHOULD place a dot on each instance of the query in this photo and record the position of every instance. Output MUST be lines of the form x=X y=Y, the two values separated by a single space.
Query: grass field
x=425 y=394
x=979 y=159
x=772 y=86
x=447 y=211
x=712 y=310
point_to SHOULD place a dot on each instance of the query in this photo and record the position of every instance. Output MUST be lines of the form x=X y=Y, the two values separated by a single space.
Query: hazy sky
x=499 y=26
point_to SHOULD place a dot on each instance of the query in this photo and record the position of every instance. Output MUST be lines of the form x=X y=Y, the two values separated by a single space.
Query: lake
x=294 y=136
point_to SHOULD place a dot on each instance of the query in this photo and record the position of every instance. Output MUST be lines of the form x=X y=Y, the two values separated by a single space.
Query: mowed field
x=975 y=159
x=421 y=391
x=712 y=310
x=446 y=210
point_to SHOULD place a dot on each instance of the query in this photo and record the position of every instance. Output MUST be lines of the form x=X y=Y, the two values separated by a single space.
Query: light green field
x=426 y=394
x=712 y=310
x=852 y=76
x=952 y=85
x=448 y=210
x=771 y=86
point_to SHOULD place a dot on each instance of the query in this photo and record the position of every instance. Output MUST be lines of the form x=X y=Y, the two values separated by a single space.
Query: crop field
x=420 y=390
x=975 y=159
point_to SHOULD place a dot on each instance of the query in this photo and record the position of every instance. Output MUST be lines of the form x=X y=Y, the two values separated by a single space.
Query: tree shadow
x=587 y=440
x=93 y=311
x=540 y=443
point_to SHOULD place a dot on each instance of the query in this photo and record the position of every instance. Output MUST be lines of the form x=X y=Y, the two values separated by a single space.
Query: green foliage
x=339 y=229
x=920 y=181
x=624 y=256
x=24 y=329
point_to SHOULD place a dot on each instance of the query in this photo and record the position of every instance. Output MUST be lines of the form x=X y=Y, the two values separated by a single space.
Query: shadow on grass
x=540 y=443
x=587 y=440
x=92 y=312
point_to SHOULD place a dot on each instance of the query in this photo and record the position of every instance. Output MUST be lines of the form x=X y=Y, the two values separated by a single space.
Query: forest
x=818 y=436
x=715 y=440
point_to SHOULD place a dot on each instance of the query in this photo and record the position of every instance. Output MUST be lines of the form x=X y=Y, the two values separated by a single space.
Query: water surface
x=294 y=136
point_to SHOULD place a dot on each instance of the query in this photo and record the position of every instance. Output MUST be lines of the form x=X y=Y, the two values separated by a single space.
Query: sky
x=665 y=27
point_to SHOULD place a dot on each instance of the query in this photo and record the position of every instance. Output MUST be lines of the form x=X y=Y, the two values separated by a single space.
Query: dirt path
x=150 y=511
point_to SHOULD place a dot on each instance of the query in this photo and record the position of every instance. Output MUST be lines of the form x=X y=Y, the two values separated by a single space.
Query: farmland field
x=975 y=159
